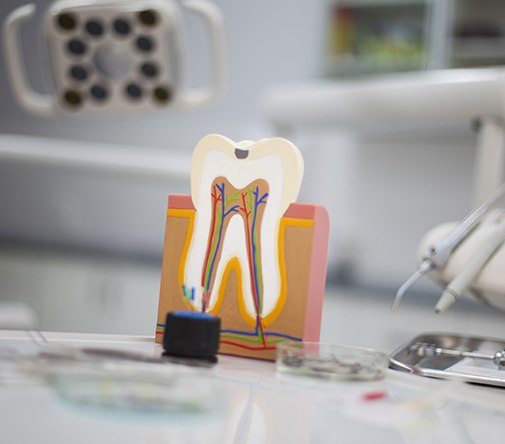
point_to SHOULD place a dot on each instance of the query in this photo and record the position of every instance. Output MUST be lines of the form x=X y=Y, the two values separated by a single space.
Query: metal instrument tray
x=441 y=367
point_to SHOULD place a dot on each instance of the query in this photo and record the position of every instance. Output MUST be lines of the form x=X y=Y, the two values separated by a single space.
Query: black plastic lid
x=191 y=334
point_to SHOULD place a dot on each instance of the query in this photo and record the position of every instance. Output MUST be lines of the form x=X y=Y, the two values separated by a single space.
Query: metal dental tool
x=426 y=350
x=460 y=284
x=436 y=257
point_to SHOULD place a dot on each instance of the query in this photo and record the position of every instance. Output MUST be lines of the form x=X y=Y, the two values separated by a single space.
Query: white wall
x=384 y=193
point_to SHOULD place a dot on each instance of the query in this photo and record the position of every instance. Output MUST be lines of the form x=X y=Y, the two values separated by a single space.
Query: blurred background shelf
x=479 y=49
x=431 y=101
x=370 y=37
x=367 y=37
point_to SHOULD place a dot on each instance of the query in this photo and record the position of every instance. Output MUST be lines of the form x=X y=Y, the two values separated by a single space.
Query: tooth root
x=253 y=204
x=269 y=255
x=234 y=246
x=227 y=203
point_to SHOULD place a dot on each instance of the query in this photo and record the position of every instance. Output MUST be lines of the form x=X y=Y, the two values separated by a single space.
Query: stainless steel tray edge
x=396 y=364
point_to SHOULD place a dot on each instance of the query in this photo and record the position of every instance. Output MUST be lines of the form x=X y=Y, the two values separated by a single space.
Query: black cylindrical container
x=191 y=334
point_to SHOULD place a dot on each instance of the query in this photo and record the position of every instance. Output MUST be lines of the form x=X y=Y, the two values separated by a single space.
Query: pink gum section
x=317 y=279
x=180 y=202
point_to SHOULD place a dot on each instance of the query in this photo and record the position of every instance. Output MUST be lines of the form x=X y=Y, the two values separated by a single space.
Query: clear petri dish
x=331 y=361
x=124 y=381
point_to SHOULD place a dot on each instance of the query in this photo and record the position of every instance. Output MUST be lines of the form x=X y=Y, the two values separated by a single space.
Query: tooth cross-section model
x=242 y=249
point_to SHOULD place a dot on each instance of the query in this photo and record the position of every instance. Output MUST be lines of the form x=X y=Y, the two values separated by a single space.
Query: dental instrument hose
x=436 y=257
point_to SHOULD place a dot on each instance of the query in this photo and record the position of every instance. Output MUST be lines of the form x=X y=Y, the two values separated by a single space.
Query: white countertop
x=261 y=407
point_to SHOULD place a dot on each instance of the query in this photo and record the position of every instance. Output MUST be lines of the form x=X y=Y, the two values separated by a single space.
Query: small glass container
x=125 y=381
x=330 y=361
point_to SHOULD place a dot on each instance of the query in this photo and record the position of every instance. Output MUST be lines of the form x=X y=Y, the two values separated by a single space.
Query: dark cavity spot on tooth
x=241 y=154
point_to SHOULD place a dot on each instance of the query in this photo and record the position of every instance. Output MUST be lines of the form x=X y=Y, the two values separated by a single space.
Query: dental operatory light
x=114 y=58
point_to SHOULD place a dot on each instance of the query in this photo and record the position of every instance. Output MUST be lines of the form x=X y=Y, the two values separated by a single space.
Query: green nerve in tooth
x=259 y=290
x=232 y=199
x=249 y=196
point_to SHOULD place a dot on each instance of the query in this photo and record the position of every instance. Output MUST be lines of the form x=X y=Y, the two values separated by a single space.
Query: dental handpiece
x=436 y=257
x=423 y=349
x=457 y=287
